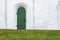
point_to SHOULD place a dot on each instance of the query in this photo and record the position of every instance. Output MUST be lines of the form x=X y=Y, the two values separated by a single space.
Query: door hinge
x=16 y=13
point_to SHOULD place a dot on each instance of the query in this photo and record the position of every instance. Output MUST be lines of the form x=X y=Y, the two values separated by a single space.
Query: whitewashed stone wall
x=41 y=14
x=52 y=14
x=2 y=14
x=12 y=7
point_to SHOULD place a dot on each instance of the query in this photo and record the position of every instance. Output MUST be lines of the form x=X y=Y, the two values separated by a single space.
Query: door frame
x=29 y=14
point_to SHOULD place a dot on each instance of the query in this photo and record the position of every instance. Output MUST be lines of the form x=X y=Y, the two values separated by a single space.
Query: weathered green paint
x=21 y=18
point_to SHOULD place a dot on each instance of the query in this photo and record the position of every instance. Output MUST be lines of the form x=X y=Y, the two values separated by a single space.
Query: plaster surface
x=40 y=14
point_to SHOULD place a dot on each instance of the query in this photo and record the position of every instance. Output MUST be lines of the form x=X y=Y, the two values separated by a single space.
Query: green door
x=21 y=18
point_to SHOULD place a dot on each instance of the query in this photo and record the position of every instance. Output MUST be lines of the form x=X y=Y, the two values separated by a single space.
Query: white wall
x=40 y=14
x=52 y=15
x=2 y=14
x=58 y=13
x=12 y=16
x=44 y=15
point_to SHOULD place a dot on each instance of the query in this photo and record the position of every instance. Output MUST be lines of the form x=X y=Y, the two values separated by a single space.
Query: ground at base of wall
x=29 y=35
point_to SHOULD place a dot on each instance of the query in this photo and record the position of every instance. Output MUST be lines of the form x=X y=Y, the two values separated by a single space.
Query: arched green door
x=21 y=18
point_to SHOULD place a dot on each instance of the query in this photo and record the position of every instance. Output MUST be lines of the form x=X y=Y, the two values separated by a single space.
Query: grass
x=29 y=35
